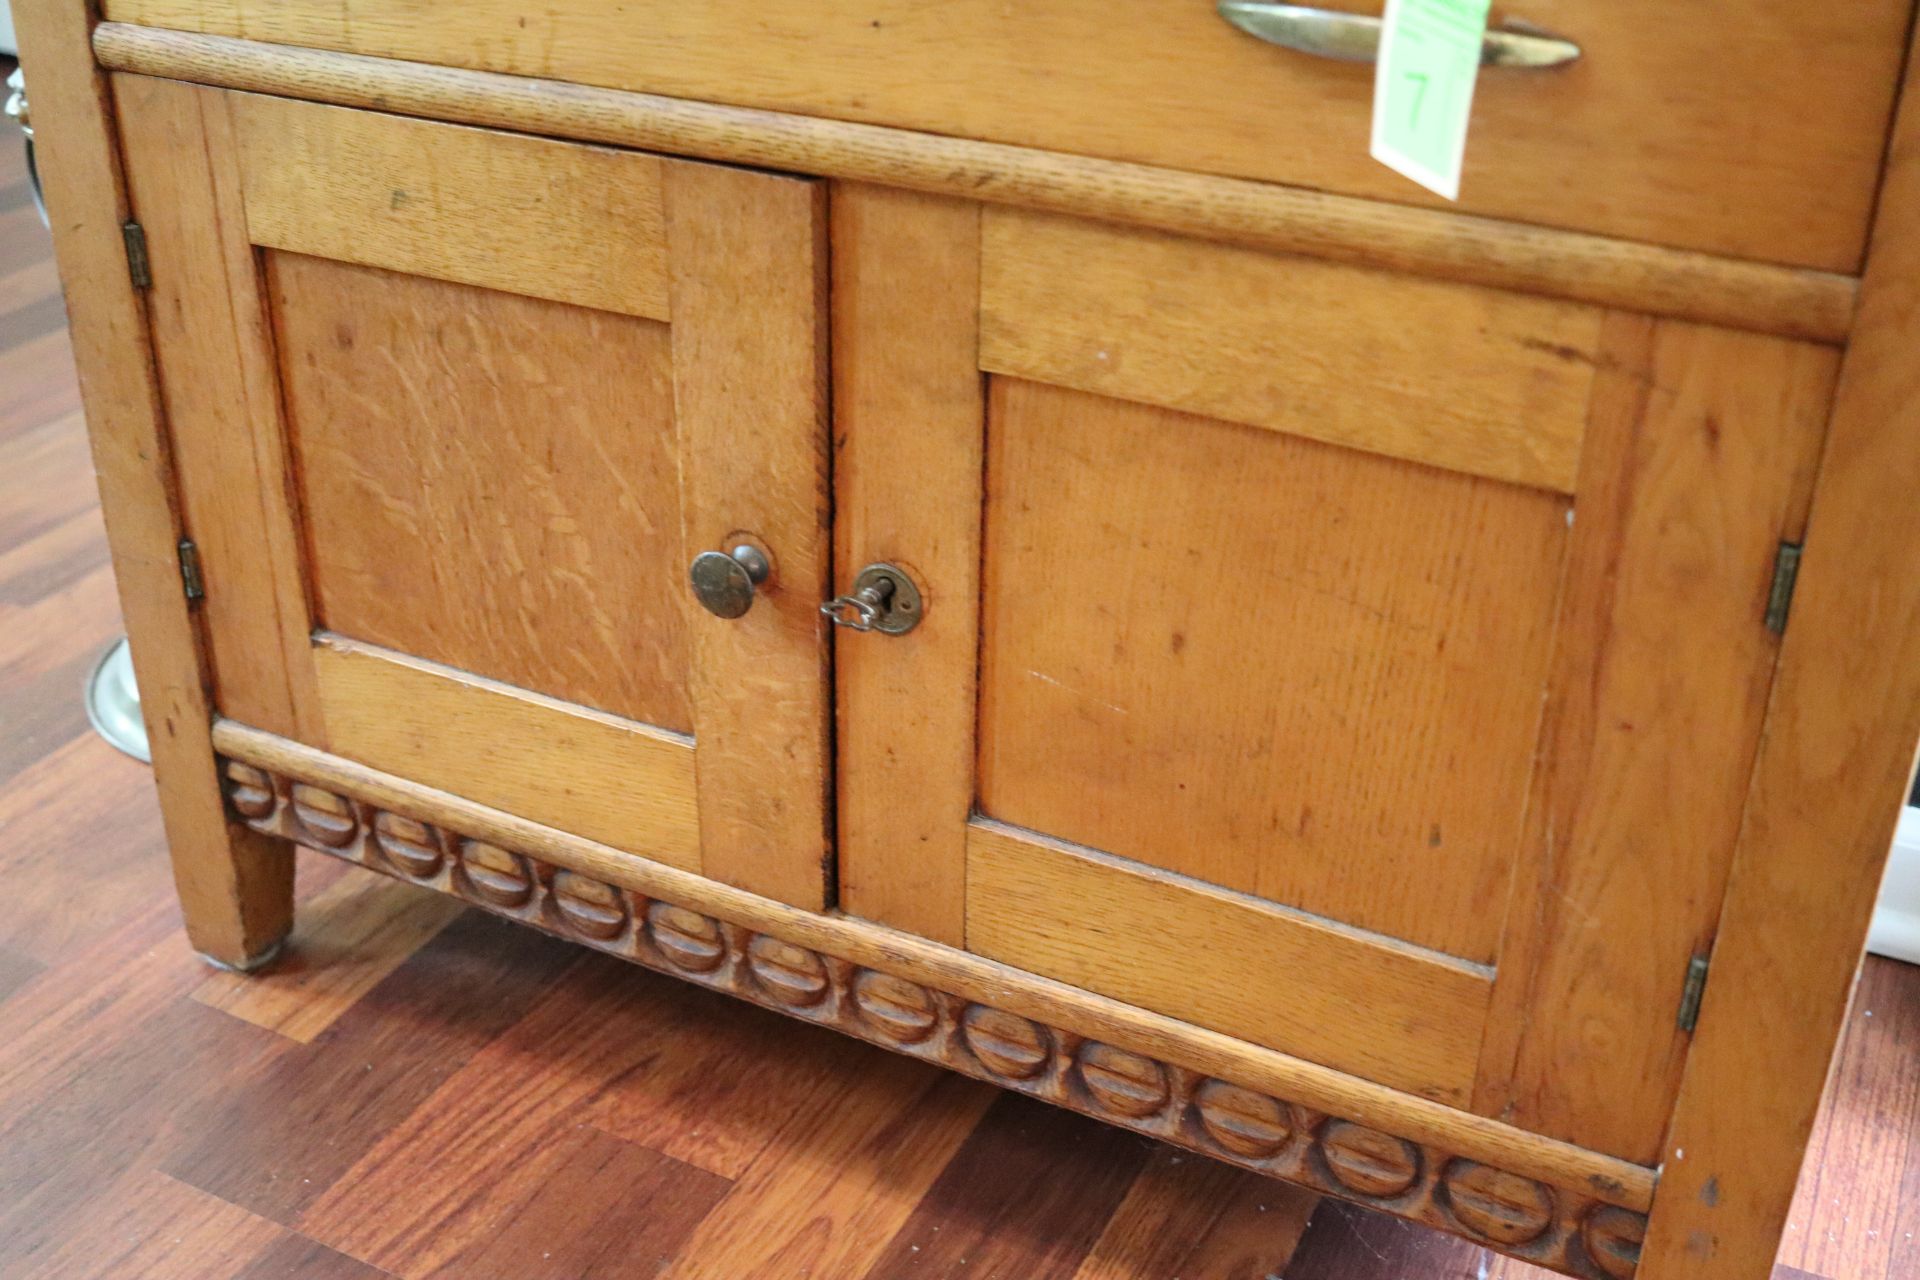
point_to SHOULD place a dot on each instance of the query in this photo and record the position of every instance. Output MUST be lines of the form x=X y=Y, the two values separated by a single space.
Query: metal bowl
x=113 y=702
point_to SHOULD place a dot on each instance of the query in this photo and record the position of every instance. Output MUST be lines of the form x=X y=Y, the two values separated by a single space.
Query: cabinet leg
x=235 y=884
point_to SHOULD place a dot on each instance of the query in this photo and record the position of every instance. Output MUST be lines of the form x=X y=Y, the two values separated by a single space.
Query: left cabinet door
x=452 y=412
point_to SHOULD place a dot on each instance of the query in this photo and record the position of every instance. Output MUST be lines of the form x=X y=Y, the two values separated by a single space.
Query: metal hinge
x=136 y=237
x=1691 y=993
x=1786 y=571
x=190 y=579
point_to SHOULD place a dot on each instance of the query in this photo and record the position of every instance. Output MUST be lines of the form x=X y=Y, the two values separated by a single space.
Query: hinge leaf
x=1786 y=572
x=1691 y=994
x=190 y=579
x=137 y=265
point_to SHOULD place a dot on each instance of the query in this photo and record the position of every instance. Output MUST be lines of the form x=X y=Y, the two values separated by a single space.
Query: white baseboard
x=1896 y=921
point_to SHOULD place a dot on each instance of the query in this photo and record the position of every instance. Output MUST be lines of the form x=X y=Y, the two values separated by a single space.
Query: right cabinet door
x=1364 y=666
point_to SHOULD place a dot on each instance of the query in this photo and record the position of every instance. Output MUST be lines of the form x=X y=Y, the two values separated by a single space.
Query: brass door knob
x=724 y=581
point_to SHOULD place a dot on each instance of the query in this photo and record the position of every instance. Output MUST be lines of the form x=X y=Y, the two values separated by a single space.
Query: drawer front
x=452 y=412
x=1749 y=129
x=1365 y=667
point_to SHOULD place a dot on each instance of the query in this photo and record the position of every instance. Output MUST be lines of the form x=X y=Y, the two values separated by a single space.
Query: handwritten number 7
x=1419 y=96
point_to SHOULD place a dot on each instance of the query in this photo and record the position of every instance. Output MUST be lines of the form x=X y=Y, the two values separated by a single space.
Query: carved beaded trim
x=1550 y=1226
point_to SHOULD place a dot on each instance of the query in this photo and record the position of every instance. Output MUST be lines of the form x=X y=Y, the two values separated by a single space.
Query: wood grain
x=1836 y=759
x=1568 y=1230
x=110 y=845
x=160 y=1229
x=296 y=1256
x=1866 y=1128
x=236 y=889
x=872 y=1152
x=1301 y=672
x=348 y=938
x=946 y=969
x=748 y=257
x=1201 y=1219
x=490 y=482
x=972 y=1217
x=1468 y=379
x=522 y=1092
x=1701 y=451
x=604 y=1208
x=214 y=347
x=570 y=223
x=72 y=1138
x=1816 y=305
x=719 y=1111
x=1355 y=1002
x=1631 y=141
x=908 y=406
x=107 y=1065
x=287 y=1126
x=609 y=779
x=34 y=393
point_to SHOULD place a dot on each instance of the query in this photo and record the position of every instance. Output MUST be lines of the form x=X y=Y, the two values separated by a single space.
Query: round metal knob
x=723 y=581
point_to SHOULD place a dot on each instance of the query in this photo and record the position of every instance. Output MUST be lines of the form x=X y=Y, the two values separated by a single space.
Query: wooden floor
x=420 y=1090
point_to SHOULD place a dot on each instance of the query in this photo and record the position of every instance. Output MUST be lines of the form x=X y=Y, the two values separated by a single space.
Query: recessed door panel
x=1308 y=673
x=490 y=481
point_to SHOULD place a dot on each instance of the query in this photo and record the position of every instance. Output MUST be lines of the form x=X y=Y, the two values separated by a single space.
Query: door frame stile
x=1836 y=754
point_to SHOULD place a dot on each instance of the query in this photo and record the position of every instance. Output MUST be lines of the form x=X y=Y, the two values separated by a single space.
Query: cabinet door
x=453 y=410
x=1364 y=666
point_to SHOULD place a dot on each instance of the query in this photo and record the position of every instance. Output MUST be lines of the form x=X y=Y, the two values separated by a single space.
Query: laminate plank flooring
x=428 y=1093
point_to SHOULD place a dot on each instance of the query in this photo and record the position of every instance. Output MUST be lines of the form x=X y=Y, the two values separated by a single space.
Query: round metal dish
x=113 y=702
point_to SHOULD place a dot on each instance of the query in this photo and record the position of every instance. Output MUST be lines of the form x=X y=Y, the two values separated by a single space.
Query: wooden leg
x=235 y=884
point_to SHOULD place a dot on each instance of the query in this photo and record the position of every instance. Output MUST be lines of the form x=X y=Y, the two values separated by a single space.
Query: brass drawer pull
x=1354 y=37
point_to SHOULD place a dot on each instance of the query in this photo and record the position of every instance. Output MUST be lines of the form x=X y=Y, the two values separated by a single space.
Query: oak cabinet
x=1350 y=713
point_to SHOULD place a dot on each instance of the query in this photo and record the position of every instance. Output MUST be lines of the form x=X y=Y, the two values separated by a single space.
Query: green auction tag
x=1423 y=88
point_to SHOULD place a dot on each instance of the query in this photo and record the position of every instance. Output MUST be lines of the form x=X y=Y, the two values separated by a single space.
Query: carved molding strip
x=1550 y=1226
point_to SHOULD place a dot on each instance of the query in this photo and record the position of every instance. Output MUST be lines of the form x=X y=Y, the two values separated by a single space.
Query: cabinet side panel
x=1700 y=444
x=908 y=426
